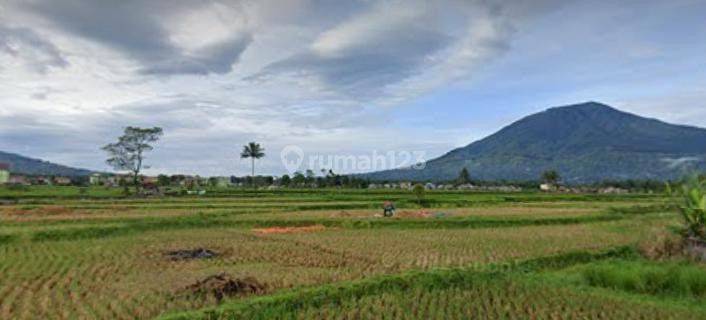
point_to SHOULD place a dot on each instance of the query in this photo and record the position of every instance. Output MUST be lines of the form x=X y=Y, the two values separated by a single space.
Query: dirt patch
x=280 y=230
x=419 y=214
x=223 y=285
x=191 y=254
x=42 y=211
x=342 y=213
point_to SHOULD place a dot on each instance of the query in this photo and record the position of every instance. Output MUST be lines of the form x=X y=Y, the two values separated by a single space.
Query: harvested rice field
x=313 y=254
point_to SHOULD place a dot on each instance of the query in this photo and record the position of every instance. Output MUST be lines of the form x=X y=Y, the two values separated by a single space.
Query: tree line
x=129 y=152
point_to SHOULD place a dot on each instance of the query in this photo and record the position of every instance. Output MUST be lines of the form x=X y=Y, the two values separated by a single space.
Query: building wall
x=4 y=176
x=95 y=180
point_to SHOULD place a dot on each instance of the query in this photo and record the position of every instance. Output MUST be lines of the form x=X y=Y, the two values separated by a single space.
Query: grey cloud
x=38 y=54
x=52 y=138
x=175 y=114
x=33 y=135
x=364 y=70
x=39 y=95
x=218 y=58
x=193 y=142
x=133 y=27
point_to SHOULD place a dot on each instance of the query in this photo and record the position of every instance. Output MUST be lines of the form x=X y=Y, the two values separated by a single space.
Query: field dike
x=333 y=294
x=136 y=226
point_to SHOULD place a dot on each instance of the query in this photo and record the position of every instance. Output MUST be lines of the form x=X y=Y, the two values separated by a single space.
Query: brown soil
x=223 y=285
x=280 y=230
x=414 y=214
x=190 y=254
x=42 y=211
x=342 y=213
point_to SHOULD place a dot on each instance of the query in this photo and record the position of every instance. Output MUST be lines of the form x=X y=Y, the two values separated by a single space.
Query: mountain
x=586 y=142
x=25 y=165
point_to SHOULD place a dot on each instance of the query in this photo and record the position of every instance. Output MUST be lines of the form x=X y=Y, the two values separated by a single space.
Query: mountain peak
x=584 y=106
x=585 y=142
x=23 y=165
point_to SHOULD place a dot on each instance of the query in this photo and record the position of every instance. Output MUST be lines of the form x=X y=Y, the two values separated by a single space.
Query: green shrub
x=690 y=201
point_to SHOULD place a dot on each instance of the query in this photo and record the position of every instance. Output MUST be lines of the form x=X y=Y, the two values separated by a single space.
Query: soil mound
x=190 y=254
x=223 y=285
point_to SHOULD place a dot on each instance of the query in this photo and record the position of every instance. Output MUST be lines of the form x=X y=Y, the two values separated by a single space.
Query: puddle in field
x=280 y=230
x=223 y=285
x=191 y=254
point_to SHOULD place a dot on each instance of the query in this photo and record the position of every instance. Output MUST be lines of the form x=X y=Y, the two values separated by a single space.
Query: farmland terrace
x=312 y=254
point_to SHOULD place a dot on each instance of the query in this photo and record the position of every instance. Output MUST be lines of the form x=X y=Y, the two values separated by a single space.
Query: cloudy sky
x=332 y=77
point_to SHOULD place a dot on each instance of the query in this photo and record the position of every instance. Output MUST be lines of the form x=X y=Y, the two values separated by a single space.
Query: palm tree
x=253 y=151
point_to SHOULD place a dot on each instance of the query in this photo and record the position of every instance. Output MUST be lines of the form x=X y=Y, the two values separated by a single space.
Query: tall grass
x=666 y=278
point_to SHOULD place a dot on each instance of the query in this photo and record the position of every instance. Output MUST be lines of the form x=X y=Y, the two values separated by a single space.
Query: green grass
x=290 y=303
x=526 y=289
x=653 y=278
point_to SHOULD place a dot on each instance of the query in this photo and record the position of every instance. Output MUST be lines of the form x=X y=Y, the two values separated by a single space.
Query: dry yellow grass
x=129 y=277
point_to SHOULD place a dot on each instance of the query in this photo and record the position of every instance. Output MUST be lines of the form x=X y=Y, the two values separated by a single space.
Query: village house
x=40 y=180
x=150 y=180
x=96 y=179
x=223 y=182
x=466 y=186
x=4 y=173
x=114 y=180
x=189 y=182
x=19 y=179
x=62 y=181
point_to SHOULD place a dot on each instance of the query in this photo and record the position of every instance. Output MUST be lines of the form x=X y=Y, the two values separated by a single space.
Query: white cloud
x=217 y=74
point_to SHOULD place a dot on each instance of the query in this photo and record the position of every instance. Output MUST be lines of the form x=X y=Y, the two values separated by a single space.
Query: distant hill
x=30 y=166
x=585 y=142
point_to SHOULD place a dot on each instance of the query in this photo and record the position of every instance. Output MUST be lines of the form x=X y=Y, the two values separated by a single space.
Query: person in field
x=388 y=209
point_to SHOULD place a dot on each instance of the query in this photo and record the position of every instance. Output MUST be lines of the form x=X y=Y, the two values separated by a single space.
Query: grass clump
x=6 y=238
x=652 y=278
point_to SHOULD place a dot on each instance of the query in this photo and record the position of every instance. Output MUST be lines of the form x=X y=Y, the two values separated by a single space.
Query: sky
x=355 y=78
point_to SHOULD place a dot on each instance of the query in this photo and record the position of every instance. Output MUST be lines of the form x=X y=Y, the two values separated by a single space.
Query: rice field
x=67 y=255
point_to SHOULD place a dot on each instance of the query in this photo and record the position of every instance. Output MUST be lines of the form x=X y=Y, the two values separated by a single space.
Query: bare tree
x=128 y=153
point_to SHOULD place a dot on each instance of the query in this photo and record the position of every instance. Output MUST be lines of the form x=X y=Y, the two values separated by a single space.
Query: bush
x=690 y=201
